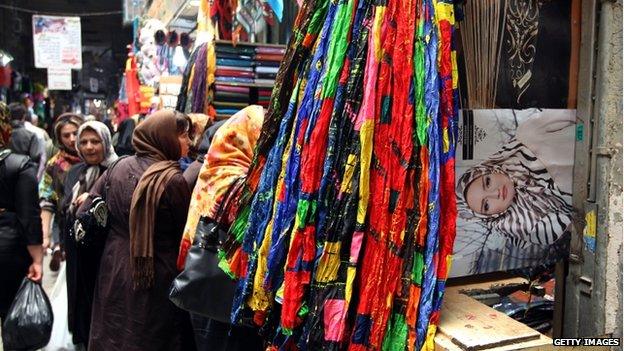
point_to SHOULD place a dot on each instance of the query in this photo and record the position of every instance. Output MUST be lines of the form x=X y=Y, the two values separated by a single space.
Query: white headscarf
x=102 y=131
x=540 y=212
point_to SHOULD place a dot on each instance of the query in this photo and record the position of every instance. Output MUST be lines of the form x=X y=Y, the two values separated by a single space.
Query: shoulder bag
x=202 y=287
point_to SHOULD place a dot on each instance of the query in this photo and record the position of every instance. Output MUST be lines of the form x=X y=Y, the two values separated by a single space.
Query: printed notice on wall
x=57 y=42
x=59 y=79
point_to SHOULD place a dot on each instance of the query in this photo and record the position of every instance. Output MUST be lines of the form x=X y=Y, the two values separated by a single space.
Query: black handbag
x=202 y=287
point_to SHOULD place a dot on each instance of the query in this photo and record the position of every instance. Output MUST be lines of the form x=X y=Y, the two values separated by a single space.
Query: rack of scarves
x=245 y=74
x=344 y=236
x=197 y=91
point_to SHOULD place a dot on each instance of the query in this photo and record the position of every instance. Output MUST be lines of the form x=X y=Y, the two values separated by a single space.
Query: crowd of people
x=120 y=265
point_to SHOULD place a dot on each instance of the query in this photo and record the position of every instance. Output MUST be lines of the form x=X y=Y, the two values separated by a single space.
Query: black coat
x=20 y=222
x=20 y=215
x=82 y=264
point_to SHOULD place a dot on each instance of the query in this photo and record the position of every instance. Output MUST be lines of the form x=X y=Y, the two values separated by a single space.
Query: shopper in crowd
x=45 y=142
x=24 y=141
x=198 y=148
x=227 y=161
x=123 y=138
x=200 y=123
x=51 y=186
x=97 y=154
x=524 y=190
x=21 y=253
x=148 y=199
x=191 y=173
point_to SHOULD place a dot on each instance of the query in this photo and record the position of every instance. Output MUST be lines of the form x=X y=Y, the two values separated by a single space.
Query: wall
x=594 y=283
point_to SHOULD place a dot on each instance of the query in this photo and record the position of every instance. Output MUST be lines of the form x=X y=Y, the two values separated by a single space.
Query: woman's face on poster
x=490 y=194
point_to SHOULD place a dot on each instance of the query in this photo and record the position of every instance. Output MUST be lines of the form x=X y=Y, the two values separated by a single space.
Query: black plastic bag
x=28 y=324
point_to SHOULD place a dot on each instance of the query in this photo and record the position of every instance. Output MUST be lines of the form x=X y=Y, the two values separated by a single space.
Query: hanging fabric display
x=197 y=91
x=132 y=87
x=345 y=231
x=222 y=14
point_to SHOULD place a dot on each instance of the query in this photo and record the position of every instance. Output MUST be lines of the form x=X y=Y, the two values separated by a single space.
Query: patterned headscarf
x=228 y=159
x=5 y=126
x=540 y=212
x=201 y=122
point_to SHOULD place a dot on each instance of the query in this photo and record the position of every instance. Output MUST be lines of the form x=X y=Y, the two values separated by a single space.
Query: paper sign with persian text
x=57 y=42
x=59 y=79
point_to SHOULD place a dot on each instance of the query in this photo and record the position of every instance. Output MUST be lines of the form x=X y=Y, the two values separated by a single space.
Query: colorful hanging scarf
x=344 y=234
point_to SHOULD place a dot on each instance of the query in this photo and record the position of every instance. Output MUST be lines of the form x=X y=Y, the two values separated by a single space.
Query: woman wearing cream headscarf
x=95 y=149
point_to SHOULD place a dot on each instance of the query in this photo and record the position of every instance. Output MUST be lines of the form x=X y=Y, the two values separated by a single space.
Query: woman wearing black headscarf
x=20 y=224
x=148 y=199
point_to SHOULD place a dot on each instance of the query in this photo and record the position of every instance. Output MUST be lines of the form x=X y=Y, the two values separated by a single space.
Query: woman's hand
x=35 y=272
x=80 y=200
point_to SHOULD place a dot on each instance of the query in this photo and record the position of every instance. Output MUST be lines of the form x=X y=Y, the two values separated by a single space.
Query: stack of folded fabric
x=230 y=99
x=264 y=97
x=244 y=75
x=267 y=61
x=234 y=67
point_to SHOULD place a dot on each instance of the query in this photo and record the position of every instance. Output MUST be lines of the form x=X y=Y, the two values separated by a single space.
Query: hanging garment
x=338 y=243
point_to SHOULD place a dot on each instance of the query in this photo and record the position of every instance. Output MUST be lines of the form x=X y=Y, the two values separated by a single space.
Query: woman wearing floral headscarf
x=51 y=186
x=20 y=225
x=97 y=154
x=225 y=164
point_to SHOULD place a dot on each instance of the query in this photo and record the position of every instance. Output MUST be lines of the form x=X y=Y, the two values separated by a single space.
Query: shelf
x=241 y=43
x=249 y=85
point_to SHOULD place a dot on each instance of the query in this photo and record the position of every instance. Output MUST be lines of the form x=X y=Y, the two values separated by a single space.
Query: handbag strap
x=213 y=235
x=227 y=197
x=108 y=176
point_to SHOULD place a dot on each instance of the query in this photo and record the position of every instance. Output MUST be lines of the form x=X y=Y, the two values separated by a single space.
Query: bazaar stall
x=392 y=158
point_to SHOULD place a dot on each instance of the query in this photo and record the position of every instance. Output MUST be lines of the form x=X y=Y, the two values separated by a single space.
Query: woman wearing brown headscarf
x=148 y=199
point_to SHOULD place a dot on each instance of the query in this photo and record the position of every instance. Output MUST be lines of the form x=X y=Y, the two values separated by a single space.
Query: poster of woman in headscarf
x=513 y=187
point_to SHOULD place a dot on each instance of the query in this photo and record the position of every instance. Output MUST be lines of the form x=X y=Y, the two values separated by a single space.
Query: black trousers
x=14 y=263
